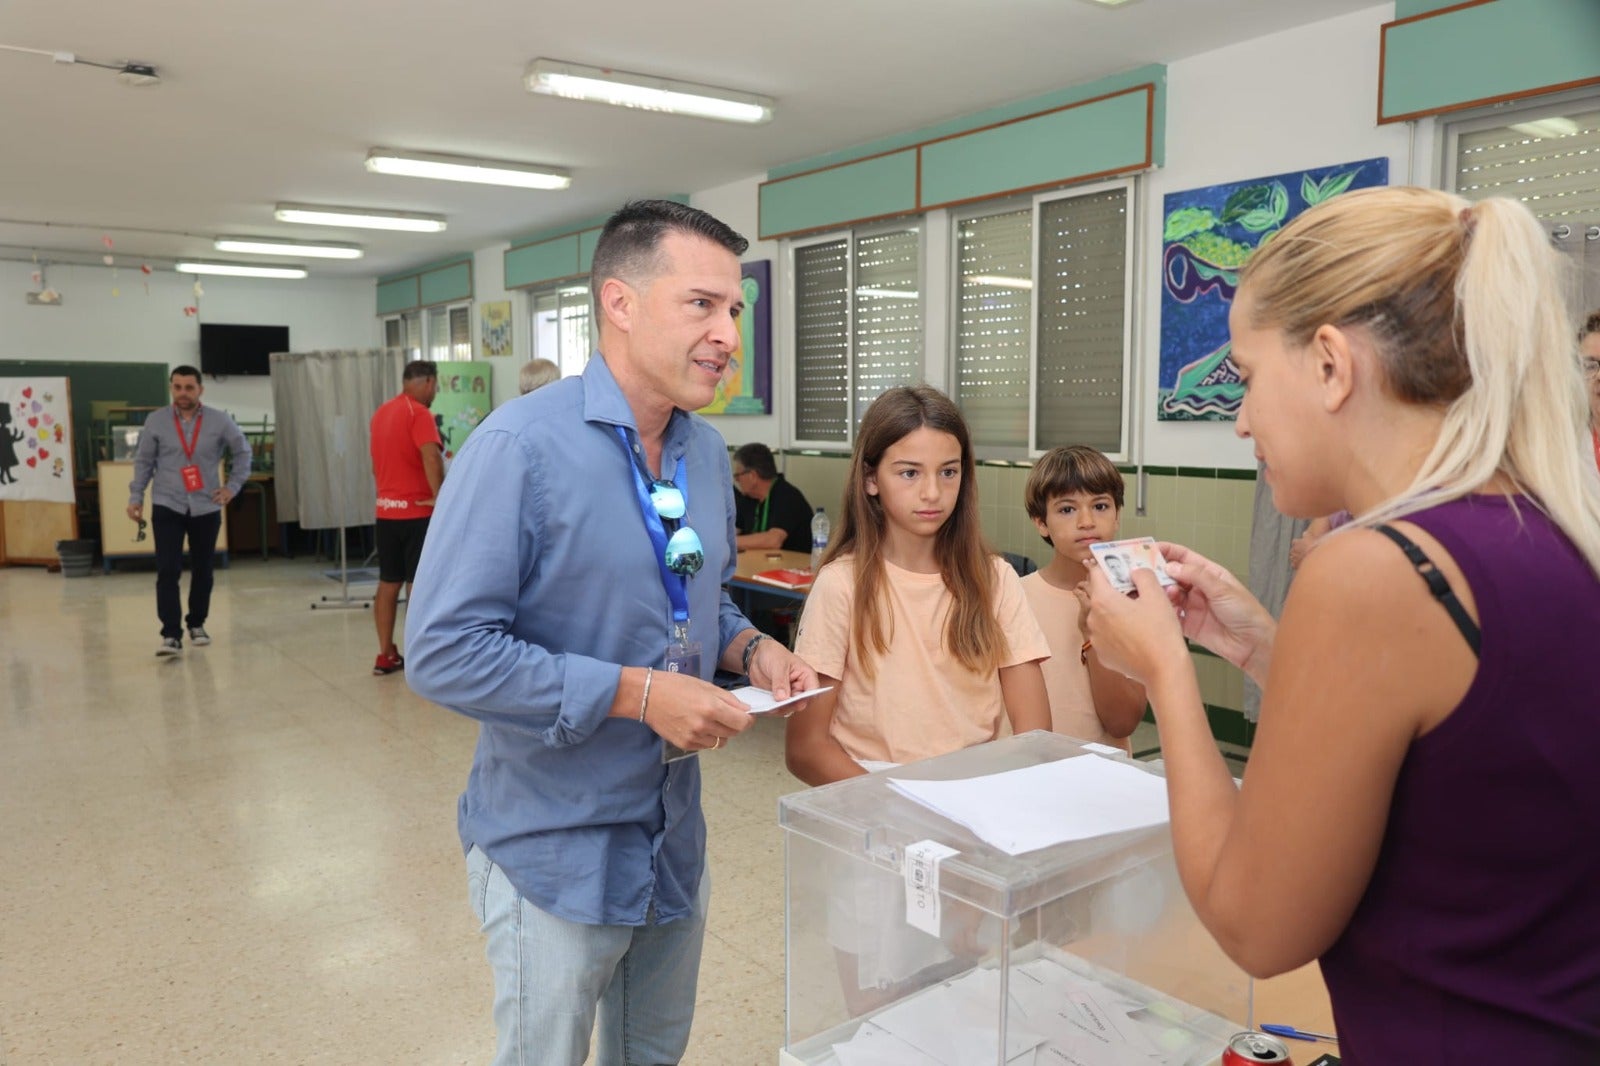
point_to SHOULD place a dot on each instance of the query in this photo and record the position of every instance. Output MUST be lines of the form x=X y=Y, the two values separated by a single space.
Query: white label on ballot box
x=922 y=883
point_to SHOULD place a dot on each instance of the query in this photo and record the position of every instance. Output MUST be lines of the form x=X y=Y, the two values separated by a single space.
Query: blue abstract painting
x=1208 y=235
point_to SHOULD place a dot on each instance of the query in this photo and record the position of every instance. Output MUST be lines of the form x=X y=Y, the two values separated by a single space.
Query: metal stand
x=344 y=601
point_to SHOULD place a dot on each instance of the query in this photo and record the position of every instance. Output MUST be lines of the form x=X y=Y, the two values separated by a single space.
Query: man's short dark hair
x=420 y=368
x=757 y=457
x=186 y=372
x=630 y=245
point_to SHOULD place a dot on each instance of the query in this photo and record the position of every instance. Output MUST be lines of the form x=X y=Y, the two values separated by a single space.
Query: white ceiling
x=263 y=102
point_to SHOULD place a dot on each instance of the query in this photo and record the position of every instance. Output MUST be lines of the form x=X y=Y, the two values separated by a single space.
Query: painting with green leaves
x=1208 y=236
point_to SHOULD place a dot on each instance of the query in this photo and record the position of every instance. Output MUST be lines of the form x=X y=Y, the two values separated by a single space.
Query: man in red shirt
x=408 y=464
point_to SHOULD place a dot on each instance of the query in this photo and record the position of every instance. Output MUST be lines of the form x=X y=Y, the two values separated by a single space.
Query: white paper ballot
x=1037 y=806
x=760 y=701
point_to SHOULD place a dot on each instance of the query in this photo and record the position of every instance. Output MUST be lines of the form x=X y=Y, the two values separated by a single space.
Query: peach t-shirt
x=921 y=701
x=1066 y=678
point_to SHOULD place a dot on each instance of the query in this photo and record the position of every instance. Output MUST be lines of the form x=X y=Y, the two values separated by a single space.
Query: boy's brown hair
x=1063 y=471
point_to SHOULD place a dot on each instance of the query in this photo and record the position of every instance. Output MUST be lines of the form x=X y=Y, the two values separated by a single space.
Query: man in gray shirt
x=181 y=449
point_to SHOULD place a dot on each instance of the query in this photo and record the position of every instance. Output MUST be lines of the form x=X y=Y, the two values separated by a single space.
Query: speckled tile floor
x=248 y=854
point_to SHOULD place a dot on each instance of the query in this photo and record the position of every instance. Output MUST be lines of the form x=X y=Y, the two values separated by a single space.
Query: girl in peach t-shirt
x=923 y=631
x=930 y=645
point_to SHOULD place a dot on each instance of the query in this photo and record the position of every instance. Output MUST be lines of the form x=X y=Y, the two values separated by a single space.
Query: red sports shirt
x=399 y=430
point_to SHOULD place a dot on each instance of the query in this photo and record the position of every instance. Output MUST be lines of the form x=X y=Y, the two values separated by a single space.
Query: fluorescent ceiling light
x=999 y=281
x=265 y=246
x=360 y=218
x=238 y=271
x=890 y=294
x=553 y=77
x=1547 y=127
x=465 y=168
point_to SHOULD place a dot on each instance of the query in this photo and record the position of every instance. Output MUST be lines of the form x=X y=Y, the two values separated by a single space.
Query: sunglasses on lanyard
x=685 y=554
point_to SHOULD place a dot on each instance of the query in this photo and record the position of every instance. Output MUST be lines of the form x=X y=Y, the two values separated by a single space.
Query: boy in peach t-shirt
x=1074 y=496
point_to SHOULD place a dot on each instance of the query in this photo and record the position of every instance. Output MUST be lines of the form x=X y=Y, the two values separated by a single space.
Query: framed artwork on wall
x=1207 y=237
x=746 y=387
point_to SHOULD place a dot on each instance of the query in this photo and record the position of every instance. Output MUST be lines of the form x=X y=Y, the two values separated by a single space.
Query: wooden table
x=1297 y=998
x=752 y=561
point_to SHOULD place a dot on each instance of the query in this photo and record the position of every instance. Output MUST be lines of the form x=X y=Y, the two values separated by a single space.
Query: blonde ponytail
x=1464 y=302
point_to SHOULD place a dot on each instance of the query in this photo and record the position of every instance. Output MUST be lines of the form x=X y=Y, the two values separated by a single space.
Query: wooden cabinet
x=119 y=535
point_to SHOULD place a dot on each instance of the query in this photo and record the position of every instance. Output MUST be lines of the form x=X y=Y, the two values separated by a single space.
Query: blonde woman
x=1422 y=804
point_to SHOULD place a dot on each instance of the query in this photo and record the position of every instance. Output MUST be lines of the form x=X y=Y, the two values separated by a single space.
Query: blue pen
x=1297 y=1034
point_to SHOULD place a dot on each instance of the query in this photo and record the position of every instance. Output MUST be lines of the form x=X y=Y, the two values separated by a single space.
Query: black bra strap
x=1436 y=585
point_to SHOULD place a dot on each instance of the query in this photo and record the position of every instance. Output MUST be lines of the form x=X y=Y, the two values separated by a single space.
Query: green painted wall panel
x=1509 y=47
x=1153 y=73
x=398 y=295
x=1090 y=139
x=586 y=242
x=868 y=189
x=533 y=263
x=448 y=284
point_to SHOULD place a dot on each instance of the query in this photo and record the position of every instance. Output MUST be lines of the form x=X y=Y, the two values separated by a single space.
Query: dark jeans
x=170 y=527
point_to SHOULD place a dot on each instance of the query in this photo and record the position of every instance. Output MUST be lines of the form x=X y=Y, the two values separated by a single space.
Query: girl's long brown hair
x=972 y=633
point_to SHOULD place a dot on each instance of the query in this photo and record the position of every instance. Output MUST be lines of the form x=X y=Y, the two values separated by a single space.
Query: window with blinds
x=886 y=343
x=461 y=332
x=1082 y=320
x=561 y=327
x=994 y=309
x=438 y=323
x=1548 y=157
x=392 y=332
x=822 y=341
x=1551 y=163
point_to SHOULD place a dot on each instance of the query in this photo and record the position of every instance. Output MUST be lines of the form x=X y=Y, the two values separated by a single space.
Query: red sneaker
x=388 y=664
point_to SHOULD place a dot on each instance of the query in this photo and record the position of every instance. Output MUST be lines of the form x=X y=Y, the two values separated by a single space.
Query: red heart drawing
x=33 y=460
x=27 y=393
x=43 y=454
x=34 y=422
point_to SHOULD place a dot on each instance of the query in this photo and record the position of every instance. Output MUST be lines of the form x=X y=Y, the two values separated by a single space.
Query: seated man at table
x=770 y=513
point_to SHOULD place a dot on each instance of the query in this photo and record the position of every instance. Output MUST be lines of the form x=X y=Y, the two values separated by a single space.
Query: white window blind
x=887 y=339
x=413 y=344
x=1082 y=323
x=1548 y=157
x=994 y=305
x=438 y=334
x=1551 y=163
x=822 y=341
x=461 y=332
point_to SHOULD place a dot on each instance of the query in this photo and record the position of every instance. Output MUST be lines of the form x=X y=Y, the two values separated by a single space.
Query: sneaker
x=169 y=646
x=198 y=636
x=388 y=664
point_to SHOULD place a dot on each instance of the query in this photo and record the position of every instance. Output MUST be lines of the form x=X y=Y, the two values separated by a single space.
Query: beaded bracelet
x=749 y=649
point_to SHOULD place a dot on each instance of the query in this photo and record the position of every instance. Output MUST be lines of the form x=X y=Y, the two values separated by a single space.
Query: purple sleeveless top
x=1478 y=938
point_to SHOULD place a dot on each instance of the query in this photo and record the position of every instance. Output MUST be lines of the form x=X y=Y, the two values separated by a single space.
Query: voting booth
x=1012 y=903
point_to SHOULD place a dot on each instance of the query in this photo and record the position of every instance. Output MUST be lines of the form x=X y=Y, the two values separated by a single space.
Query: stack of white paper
x=1037 y=806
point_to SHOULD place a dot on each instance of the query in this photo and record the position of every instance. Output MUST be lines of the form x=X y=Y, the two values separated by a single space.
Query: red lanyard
x=187 y=445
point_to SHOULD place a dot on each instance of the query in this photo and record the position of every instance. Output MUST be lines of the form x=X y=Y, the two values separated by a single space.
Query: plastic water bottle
x=819 y=538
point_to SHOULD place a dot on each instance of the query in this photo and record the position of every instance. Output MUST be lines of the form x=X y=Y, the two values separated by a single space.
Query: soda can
x=1252 y=1049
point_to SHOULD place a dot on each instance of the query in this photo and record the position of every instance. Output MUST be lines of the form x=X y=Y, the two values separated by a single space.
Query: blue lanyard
x=676 y=585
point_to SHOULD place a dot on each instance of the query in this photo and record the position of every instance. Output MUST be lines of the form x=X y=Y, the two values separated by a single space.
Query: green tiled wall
x=1208 y=510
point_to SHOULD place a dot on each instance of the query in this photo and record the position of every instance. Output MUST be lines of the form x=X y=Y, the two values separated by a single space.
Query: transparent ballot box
x=1084 y=953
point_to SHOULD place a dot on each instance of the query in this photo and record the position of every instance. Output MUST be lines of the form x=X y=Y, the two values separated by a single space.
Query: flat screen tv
x=227 y=349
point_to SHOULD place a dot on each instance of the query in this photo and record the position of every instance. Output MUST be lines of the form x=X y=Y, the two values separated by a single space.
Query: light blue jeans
x=550 y=976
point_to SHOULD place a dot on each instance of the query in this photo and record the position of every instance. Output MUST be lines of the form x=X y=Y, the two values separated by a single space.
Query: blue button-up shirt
x=538 y=583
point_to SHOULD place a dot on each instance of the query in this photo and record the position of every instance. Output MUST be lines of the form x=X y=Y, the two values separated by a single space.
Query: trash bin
x=77 y=557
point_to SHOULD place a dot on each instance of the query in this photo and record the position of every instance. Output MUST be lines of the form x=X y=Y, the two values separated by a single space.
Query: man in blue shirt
x=179 y=455
x=573 y=571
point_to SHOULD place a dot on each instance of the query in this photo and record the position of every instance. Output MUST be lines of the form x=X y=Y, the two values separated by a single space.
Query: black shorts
x=399 y=548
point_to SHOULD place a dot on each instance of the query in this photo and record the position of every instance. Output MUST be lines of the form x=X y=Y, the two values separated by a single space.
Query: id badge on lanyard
x=192 y=482
x=682 y=657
